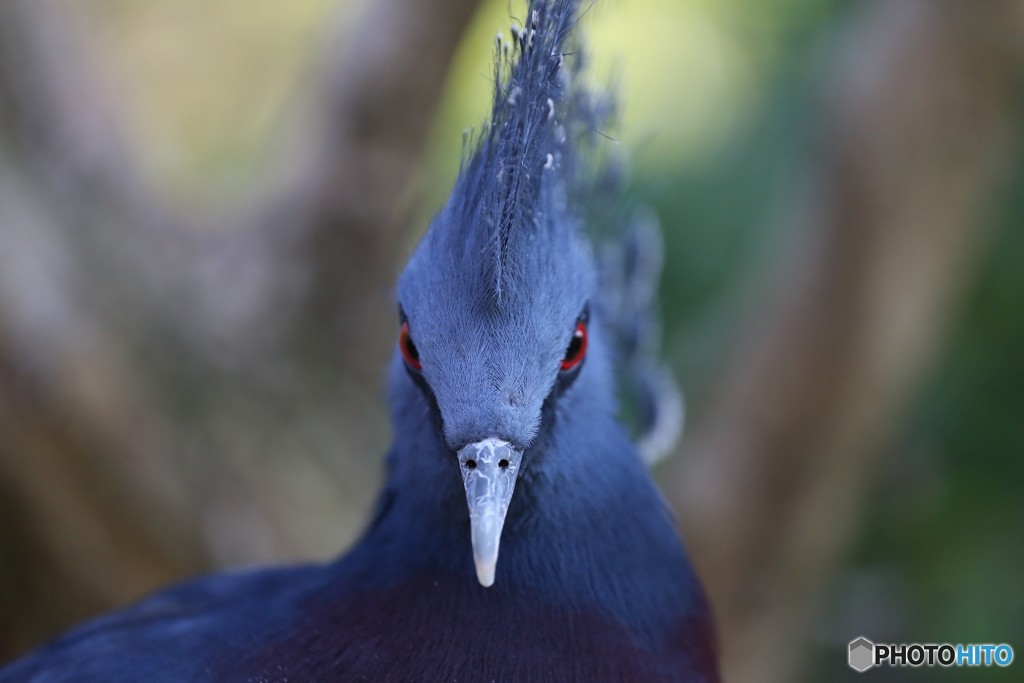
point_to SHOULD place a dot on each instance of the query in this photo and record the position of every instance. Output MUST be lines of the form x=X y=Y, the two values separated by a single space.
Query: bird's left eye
x=577 y=348
x=409 y=351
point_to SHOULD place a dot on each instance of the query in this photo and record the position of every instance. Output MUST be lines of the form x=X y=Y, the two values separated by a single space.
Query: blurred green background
x=723 y=117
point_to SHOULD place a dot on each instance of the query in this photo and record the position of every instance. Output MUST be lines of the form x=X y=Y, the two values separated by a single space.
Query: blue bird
x=519 y=536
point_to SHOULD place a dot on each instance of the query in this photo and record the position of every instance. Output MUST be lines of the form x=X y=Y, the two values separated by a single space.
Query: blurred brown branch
x=124 y=317
x=921 y=110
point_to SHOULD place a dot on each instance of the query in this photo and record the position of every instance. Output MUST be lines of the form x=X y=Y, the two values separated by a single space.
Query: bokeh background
x=203 y=205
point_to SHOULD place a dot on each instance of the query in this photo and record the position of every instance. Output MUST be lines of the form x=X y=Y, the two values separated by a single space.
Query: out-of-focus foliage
x=206 y=82
x=942 y=548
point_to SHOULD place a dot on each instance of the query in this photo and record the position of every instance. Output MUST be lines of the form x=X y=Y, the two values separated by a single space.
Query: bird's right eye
x=409 y=350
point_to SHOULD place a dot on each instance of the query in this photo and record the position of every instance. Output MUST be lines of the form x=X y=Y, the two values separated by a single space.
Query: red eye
x=409 y=351
x=577 y=348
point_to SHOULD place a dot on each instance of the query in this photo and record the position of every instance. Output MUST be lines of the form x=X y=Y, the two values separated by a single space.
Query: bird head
x=490 y=362
x=493 y=304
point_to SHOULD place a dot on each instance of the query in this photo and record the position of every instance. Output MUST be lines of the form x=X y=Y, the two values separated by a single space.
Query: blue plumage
x=502 y=397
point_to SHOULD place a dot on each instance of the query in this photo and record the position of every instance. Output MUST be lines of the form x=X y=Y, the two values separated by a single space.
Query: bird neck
x=586 y=525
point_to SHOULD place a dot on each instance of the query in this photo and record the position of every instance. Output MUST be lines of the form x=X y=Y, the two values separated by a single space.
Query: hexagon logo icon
x=862 y=654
